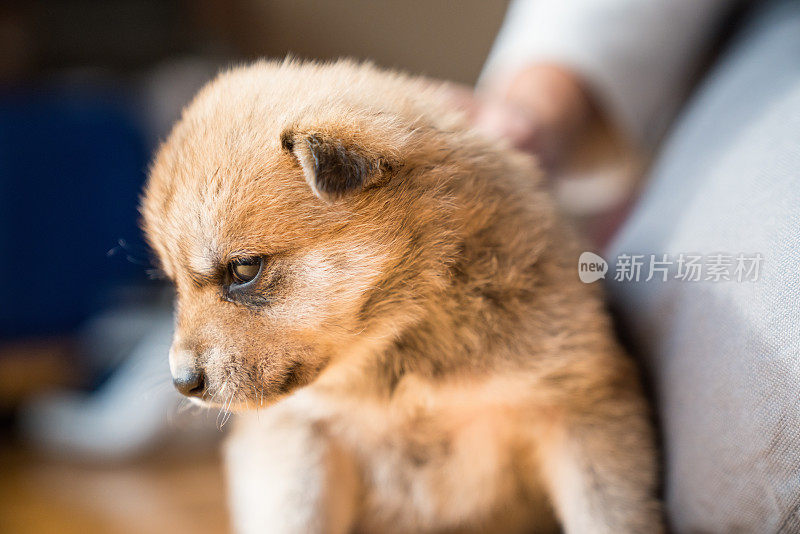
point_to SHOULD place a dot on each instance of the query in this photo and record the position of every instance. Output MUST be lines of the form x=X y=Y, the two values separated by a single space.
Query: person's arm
x=556 y=60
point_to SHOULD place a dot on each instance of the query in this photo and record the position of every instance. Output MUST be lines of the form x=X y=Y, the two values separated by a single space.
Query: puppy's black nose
x=191 y=383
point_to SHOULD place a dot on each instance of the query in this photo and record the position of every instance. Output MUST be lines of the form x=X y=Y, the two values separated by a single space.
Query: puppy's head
x=287 y=208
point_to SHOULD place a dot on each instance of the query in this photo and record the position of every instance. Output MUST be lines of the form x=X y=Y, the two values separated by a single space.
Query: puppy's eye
x=245 y=270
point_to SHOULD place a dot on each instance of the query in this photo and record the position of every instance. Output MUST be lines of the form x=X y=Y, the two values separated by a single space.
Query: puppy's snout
x=187 y=377
x=191 y=382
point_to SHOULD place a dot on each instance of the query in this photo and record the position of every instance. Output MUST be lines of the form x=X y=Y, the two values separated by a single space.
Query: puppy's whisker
x=213 y=399
x=224 y=412
x=184 y=406
x=130 y=255
x=155 y=386
x=228 y=413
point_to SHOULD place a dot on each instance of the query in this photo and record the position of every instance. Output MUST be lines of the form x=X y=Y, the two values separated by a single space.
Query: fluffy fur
x=418 y=354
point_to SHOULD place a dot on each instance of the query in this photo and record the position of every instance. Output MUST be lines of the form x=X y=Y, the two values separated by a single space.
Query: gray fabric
x=724 y=357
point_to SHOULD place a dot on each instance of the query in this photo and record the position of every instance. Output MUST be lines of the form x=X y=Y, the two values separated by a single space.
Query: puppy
x=390 y=303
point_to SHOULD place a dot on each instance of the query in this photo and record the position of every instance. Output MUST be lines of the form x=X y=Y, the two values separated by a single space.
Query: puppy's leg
x=600 y=470
x=284 y=476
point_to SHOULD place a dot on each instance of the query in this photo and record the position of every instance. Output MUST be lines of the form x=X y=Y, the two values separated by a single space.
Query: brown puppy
x=392 y=304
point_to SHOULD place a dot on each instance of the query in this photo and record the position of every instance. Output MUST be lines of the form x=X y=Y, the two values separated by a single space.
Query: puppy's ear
x=335 y=167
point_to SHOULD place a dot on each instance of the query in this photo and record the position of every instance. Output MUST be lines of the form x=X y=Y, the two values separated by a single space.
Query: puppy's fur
x=424 y=355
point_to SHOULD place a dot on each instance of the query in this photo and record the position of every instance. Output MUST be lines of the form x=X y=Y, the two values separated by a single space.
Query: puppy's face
x=277 y=213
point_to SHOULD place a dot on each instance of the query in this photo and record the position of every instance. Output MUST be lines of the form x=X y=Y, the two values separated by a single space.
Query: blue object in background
x=72 y=164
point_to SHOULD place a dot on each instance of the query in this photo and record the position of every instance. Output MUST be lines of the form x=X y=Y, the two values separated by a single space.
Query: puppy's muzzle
x=187 y=377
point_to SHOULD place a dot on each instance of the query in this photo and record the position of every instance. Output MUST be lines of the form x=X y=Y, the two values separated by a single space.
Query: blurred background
x=92 y=436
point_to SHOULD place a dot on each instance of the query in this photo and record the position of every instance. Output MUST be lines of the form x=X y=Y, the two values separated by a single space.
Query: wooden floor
x=151 y=496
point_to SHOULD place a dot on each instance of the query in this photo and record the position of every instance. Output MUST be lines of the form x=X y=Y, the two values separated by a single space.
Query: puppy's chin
x=232 y=407
x=236 y=405
x=200 y=402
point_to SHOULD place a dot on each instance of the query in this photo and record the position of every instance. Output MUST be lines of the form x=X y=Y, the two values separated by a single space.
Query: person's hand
x=541 y=109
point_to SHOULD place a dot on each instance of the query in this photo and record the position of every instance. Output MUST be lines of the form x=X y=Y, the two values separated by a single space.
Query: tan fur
x=427 y=359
